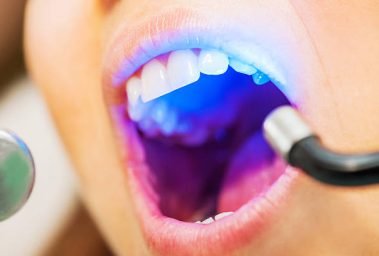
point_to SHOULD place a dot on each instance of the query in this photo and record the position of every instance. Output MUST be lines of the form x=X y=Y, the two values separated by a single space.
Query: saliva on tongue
x=210 y=157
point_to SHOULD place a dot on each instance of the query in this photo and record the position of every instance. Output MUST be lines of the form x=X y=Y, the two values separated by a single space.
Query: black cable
x=333 y=168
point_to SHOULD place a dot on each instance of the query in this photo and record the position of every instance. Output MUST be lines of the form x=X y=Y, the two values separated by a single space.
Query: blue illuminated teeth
x=153 y=117
x=190 y=134
x=212 y=62
x=242 y=68
x=138 y=110
x=183 y=68
x=164 y=117
x=158 y=112
x=260 y=78
x=170 y=124
x=158 y=78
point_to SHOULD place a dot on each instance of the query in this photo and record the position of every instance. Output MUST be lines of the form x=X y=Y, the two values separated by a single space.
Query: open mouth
x=198 y=114
x=188 y=105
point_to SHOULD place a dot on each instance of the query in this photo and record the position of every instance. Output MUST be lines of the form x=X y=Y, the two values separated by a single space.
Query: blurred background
x=53 y=222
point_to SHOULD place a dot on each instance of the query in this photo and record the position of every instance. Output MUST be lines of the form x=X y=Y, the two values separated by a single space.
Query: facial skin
x=331 y=51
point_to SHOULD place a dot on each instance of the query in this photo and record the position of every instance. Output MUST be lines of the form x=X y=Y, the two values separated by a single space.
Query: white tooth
x=182 y=68
x=208 y=221
x=222 y=215
x=133 y=90
x=159 y=112
x=154 y=81
x=138 y=111
x=243 y=68
x=260 y=78
x=135 y=113
x=170 y=123
x=213 y=62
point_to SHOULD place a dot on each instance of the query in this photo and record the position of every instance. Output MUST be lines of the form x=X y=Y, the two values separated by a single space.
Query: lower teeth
x=215 y=218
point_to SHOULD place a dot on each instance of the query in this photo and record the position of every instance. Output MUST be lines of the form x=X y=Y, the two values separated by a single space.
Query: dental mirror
x=17 y=174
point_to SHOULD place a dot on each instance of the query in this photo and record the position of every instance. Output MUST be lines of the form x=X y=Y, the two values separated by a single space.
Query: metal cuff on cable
x=294 y=140
x=283 y=128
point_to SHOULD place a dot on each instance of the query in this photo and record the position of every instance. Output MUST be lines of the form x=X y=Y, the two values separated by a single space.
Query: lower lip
x=167 y=236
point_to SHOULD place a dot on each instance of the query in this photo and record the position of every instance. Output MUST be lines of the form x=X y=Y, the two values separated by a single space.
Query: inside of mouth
x=203 y=145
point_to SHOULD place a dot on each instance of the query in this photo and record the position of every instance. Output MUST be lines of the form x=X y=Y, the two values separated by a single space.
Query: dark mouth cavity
x=214 y=158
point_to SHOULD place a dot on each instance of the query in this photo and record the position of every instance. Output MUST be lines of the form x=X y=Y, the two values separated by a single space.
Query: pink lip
x=176 y=29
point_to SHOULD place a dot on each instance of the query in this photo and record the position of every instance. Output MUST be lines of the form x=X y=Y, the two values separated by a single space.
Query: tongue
x=252 y=170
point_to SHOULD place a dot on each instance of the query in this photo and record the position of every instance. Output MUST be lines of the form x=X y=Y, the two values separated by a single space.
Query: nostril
x=107 y=5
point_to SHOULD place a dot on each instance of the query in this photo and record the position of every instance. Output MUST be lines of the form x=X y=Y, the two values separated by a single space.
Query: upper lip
x=184 y=29
x=133 y=47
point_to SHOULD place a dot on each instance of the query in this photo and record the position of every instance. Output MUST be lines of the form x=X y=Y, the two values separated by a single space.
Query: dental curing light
x=17 y=174
x=291 y=137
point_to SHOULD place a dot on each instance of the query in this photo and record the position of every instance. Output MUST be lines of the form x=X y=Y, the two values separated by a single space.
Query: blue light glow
x=208 y=92
x=210 y=105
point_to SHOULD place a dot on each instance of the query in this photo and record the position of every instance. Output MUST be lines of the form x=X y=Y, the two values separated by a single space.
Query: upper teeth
x=154 y=81
x=213 y=62
x=183 y=67
x=260 y=78
x=242 y=67
x=134 y=90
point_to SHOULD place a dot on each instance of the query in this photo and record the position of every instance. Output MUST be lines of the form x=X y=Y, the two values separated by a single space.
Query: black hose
x=333 y=168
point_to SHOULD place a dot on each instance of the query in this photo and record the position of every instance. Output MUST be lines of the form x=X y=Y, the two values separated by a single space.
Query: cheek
x=64 y=57
x=63 y=53
x=345 y=38
x=63 y=50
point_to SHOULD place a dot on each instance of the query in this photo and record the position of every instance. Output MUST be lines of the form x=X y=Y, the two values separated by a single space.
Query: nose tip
x=17 y=174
